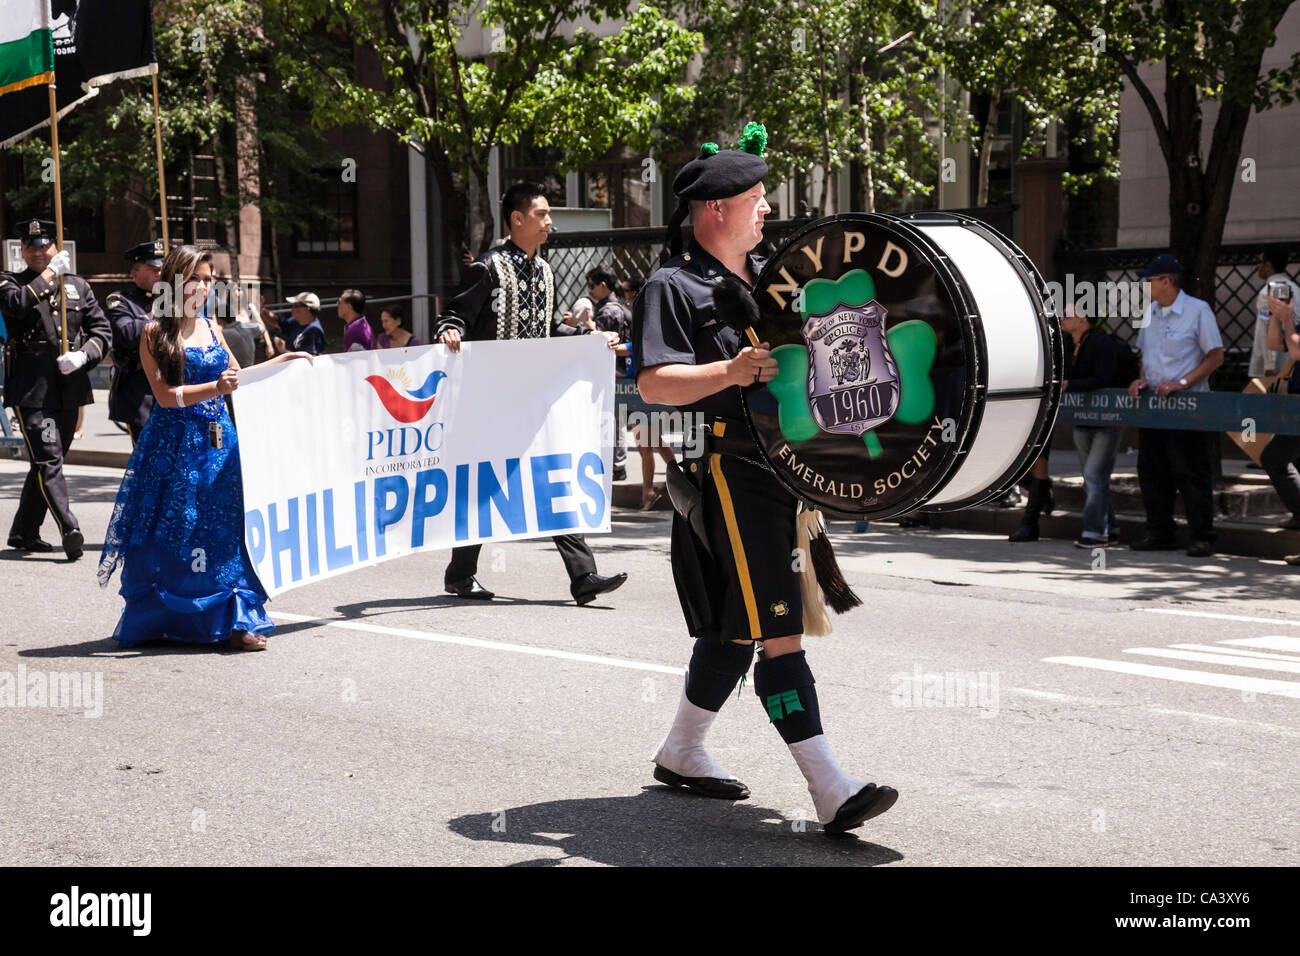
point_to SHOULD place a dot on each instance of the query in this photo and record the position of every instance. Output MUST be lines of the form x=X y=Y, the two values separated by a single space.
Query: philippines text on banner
x=368 y=456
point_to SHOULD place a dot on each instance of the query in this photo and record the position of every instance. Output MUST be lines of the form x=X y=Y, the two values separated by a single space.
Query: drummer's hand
x=1136 y=386
x=753 y=365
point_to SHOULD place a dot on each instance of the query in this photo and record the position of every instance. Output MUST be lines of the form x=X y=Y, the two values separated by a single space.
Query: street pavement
x=1033 y=704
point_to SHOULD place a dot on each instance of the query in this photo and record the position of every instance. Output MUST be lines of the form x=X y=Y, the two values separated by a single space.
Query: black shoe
x=586 y=588
x=469 y=588
x=1200 y=549
x=1152 y=543
x=1026 y=532
x=19 y=543
x=870 y=801
x=1088 y=544
x=620 y=474
x=1291 y=524
x=72 y=542
x=704 y=786
x=1112 y=539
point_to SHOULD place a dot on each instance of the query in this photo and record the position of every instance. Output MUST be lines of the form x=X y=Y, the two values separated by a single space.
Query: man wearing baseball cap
x=130 y=398
x=46 y=385
x=302 y=329
x=1180 y=345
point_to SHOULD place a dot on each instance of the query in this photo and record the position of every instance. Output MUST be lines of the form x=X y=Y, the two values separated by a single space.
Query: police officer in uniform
x=130 y=399
x=736 y=580
x=509 y=293
x=47 y=388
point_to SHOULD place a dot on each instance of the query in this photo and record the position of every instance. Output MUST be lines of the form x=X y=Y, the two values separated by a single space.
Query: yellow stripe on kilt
x=737 y=546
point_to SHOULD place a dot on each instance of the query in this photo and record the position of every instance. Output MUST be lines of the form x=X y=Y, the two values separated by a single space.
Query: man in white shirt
x=1264 y=360
x=1181 y=346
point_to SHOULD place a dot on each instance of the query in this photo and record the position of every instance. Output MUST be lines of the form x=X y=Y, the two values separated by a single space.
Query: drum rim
x=976 y=361
x=1054 y=359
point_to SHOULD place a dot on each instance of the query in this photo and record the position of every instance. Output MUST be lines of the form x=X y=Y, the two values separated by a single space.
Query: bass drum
x=919 y=366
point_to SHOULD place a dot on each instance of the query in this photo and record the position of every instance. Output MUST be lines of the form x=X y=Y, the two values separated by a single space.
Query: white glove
x=69 y=362
x=61 y=263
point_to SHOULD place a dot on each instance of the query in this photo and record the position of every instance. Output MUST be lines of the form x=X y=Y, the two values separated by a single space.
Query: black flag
x=95 y=43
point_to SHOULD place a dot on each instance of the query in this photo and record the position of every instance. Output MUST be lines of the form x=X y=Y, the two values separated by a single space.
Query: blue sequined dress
x=177 y=530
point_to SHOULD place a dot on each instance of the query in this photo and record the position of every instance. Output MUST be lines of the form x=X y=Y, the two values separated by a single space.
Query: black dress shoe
x=72 y=542
x=1152 y=543
x=704 y=786
x=1200 y=549
x=589 y=585
x=30 y=544
x=870 y=801
x=1026 y=532
x=469 y=588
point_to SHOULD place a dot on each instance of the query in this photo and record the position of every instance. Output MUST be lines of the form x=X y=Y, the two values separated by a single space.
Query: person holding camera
x=1280 y=455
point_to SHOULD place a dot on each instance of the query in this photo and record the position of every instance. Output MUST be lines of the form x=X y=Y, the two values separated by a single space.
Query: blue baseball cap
x=1161 y=265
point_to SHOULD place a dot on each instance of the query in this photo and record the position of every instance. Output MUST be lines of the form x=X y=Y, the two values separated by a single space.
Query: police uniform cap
x=722 y=173
x=36 y=232
x=151 y=253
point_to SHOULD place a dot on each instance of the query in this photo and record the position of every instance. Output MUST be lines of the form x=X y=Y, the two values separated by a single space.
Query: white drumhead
x=1007 y=316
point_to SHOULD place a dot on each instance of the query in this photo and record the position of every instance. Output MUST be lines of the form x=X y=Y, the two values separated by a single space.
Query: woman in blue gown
x=177 y=530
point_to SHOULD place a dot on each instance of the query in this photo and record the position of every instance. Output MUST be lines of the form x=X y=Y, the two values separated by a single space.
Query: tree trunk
x=866 y=181
x=986 y=146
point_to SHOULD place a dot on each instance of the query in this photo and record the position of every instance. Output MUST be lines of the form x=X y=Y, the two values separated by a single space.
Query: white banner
x=368 y=456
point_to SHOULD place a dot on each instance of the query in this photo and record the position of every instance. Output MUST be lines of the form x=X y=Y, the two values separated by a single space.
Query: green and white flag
x=26 y=45
x=94 y=42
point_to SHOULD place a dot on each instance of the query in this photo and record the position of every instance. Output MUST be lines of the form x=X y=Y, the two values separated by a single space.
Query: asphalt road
x=1030 y=706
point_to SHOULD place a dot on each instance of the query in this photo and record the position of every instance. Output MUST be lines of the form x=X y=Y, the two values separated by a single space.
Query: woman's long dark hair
x=165 y=343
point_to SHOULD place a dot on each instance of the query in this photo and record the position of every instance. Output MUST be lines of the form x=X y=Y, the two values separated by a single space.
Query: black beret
x=722 y=173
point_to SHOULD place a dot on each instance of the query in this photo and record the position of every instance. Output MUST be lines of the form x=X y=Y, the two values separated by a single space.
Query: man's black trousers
x=47 y=435
x=1174 y=461
x=577 y=557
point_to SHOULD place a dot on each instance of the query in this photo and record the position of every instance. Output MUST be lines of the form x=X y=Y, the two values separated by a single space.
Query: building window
x=333 y=231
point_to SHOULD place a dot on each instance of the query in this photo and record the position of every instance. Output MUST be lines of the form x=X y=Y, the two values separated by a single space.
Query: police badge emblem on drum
x=917 y=365
x=852 y=376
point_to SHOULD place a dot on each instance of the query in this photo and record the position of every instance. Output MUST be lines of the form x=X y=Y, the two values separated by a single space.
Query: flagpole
x=58 y=219
x=162 y=183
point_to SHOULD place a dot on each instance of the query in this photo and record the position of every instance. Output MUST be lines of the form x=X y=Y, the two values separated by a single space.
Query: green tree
x=1211 y=51
x=539 y=82
x=814 y=74
x=1021 y=51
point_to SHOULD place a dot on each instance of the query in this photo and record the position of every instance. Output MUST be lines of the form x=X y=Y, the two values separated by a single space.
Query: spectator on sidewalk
x=395 y=334
x=302 y=329
x=1180 y=346
x=1280 y=455
x=1264 y=359
x=239 y=338
x=1097 y=360
x=358 y=336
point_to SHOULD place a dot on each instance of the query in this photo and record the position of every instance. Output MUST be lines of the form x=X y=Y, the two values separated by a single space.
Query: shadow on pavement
x=1152 y=574
x=663 y=827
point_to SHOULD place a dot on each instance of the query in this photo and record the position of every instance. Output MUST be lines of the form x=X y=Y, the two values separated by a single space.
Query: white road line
x=1237 y=651
x=1236 y=721
x=1274 y=642
x=1220 y=617
x=1167 y=711
x=487 y=645
x=1258 y=685
x=1285 y=667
